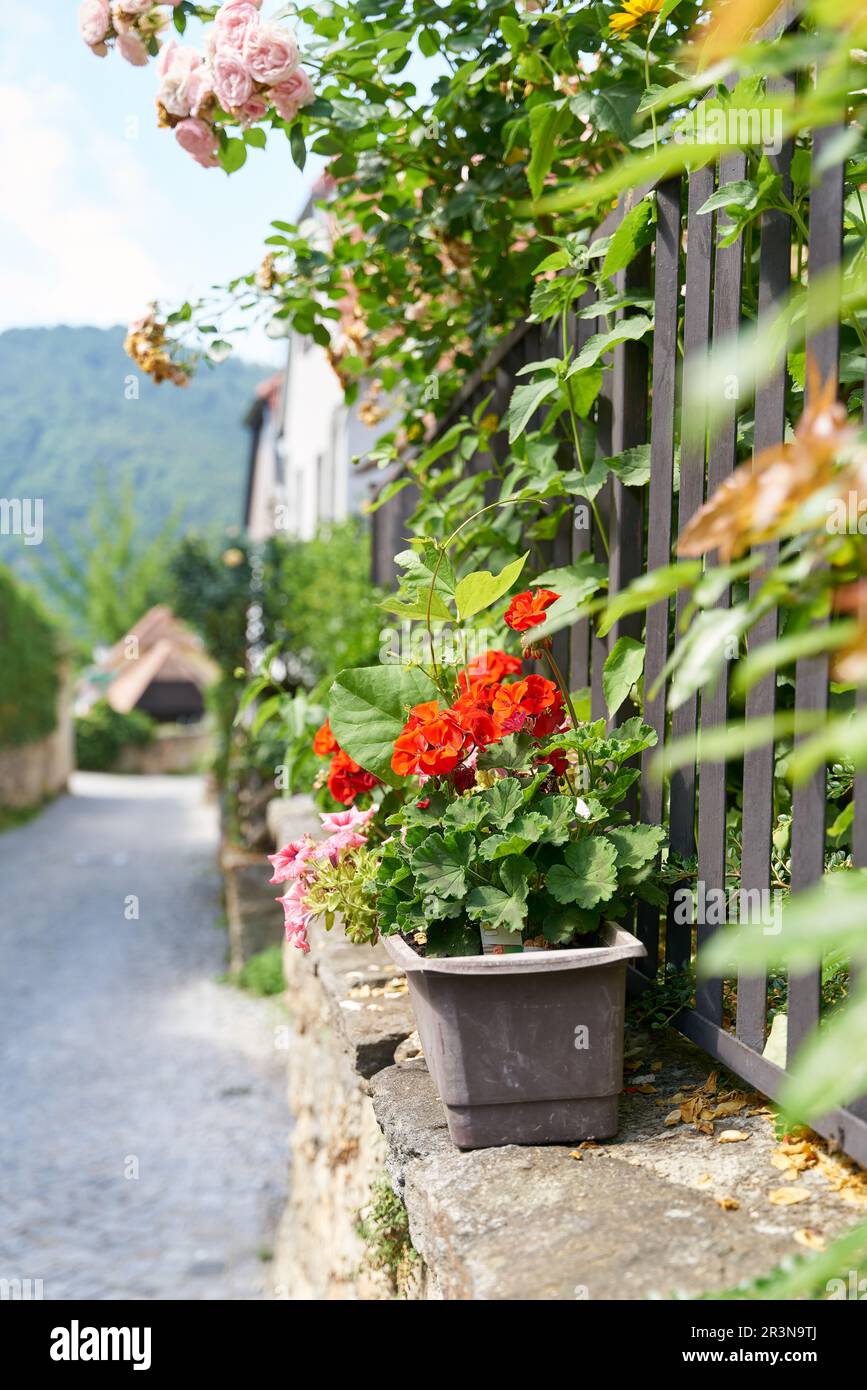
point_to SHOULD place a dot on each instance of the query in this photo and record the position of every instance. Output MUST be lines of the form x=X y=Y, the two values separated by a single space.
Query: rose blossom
x=130 y=46
x=94 y=20
x=135 y=6
x=288 y=97
x=175 y=67
x=232 y=26
x=199 y=140
x=252 y=110
x=232 y=83
x=200 y=88
x=271 y=54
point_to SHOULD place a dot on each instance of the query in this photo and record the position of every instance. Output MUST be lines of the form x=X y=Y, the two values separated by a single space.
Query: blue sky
x=101 y=210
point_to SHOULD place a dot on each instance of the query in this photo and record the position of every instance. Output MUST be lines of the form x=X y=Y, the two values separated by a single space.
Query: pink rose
x=175 y=67
x=252 y=110
x=135 y=6
x=288 y=97
x=94 y=21
x=199 y=140
x=232 y=82
x=271 y=54
x=233 y=24
x=130 y=46
x=200 y=88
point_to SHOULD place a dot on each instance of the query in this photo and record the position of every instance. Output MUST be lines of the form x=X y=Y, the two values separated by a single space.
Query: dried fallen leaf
x=647 y=1089
x=656 y=1066
x=576 y=1153
x=779 y=1160
x=728 y=1203
x=710 y=1085
x=673 y=1118
x=788 y=1196
x=812 y=1239
x=632 y=1065
x=728 y=1107
x=704 y=1180
x=732 y=1136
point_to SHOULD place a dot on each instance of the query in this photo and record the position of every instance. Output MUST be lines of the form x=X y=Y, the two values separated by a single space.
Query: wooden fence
x=698 y=285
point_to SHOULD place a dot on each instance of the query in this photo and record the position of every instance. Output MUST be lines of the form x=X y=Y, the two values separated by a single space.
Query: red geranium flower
x=528 y=609
x=473 y=713
x=432 y=742
x=534 y=697
x=346 y=780
x=494 y=665
x=324 y=742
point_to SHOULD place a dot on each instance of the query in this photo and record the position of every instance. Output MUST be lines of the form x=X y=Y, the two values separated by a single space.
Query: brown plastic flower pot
x=527 y=1048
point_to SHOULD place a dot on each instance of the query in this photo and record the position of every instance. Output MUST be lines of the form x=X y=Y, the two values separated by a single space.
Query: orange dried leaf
x=788 y=1196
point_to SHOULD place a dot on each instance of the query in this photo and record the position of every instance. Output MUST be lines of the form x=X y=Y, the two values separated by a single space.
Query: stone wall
x=659 y=1209
x=176 y=748
x=32 y=773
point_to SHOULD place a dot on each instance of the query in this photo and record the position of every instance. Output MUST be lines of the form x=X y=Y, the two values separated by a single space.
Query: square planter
x=526 y=1048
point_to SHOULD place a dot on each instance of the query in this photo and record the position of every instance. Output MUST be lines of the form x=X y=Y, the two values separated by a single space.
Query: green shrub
x=263 y=973
x=29 y=656
x=102 y=733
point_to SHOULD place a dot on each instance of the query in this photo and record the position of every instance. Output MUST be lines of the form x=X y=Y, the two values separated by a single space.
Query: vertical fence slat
x=666 y=296
x=728 y=284
x=811 y=677
x=579 y=640
x=770 y=426
x=696 y=330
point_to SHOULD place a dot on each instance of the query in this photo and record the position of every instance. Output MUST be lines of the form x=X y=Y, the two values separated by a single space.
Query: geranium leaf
x=440 y=865
x=588 y=876
x=636 y=845
x=367 y=709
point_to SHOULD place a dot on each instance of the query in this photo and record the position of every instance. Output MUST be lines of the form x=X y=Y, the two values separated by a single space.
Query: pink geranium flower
x=353 y=819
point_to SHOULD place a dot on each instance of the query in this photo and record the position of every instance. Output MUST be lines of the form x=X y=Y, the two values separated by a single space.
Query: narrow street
x=143 y=1118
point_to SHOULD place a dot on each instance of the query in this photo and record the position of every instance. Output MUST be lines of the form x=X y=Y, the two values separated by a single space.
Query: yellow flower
x=633 y=12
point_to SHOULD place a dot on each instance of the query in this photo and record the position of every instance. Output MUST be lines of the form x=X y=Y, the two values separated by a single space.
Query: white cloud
x=73 y=199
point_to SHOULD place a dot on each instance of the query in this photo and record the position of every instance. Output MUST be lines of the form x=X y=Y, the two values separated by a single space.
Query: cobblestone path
x=143 y=1120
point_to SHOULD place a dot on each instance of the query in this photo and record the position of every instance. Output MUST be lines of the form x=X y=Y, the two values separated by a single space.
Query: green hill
x=65 y=420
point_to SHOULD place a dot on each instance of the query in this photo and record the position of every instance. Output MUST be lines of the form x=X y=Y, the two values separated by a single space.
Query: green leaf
x=417 y=609
x=480 y=589
x=559 y=813
x=827 y=917
x=547 y=122
x=623 y=666
x=440 y=865
x=452 y=939
x=512 y=752
x=632 y=466
x=525 y=400
x=526 y=830
x=232 y=155
x=368 y=708
x=648 y=589
x=583 y=388
x=420 y=565
x=466 y=813
x=504 y=906
x=560 y=927
x=634 y=232
x=831 y=1066
x=636 y=845
x=503 y=801
x=588 y=876
x=626 y=330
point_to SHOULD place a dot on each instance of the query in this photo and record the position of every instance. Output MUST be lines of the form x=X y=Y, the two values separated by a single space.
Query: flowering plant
x=130 y=26
x=327 y=877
